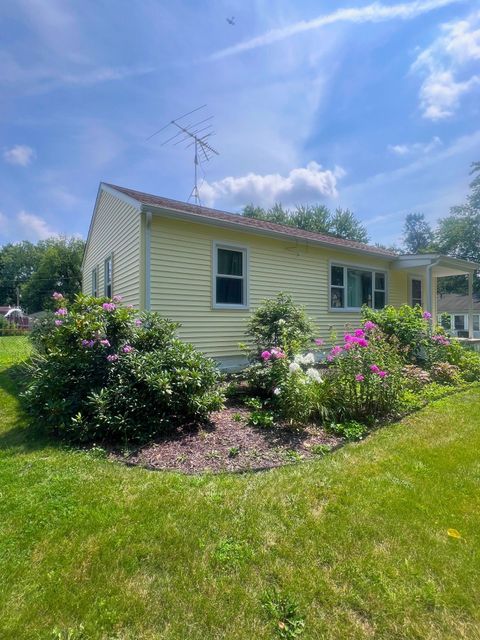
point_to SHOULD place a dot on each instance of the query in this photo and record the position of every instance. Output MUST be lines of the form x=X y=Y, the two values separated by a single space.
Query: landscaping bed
x=228 y=443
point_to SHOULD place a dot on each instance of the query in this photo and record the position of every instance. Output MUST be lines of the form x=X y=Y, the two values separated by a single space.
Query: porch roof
x=439 y=265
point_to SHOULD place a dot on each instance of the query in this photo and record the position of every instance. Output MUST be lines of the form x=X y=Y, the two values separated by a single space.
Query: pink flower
x=127 y=348
x=117 y=298
x=347 y=337
x=336 y=350
x=369 y=325
x=374 y=368
x=61 y=312
x=359 y=378
x=362 y=342
x=88 y=343
x=57 y=296
x=138 y=322
x=109 y=306
x=426 y=315
x=266 y=355
x=348 y=346
x=319 y=342
x=58 y=323
x=439 y=339
x=359 y=333
x=382 y=374
x=112 y=358
x=105 y=343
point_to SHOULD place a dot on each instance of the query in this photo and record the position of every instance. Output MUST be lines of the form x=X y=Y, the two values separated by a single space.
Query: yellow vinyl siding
x=181 y=281
x=116 y=232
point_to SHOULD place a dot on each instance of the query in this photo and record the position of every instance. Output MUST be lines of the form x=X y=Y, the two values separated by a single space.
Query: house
x=455 y=309
x=209 y=269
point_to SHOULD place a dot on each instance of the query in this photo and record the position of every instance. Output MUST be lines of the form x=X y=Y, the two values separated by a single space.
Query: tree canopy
x=341 y=223
x=31 y=272
x=417 y=233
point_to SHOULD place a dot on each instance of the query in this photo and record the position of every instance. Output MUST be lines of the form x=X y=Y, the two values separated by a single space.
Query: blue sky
x=374 y=107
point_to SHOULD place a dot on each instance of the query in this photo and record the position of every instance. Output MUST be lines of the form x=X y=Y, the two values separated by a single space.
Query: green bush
x=101 y=373
x=281 y=324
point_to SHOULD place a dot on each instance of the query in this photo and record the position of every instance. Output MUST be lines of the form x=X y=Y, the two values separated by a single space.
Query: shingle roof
x=248 y=223
x=454 y=302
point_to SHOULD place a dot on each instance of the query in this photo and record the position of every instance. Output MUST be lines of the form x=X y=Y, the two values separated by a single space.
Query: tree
x=59 y=269
x=417 y=233
x=17 y=264
x=318 y=218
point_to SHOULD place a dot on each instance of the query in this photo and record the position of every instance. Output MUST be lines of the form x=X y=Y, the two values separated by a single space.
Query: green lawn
x=92 y=549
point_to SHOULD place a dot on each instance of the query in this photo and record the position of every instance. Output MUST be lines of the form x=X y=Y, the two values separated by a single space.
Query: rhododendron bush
x=103 y=372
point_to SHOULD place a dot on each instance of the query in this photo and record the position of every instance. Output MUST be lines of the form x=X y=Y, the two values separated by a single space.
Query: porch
x=424 y=270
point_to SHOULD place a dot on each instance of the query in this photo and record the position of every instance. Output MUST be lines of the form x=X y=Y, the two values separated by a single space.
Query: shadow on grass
x=23 y=435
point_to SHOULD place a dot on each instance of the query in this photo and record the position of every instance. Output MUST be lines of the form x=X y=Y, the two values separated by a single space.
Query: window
x=230 y=280
x=416 y=292
x=351 y=288
x=476 y=322
x=459 y=322
x=107 y=277
x=95 y=282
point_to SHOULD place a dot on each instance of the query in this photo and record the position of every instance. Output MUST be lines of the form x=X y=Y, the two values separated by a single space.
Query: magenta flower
x=112 y=358
x=105 y=343
x=347 y=337
x=319 y=342
x=369 y=325
x=57 y=296
x=426 y=315
x=359 y=378
x=348 y=346
x=61 y=312
x=382 y=374
x=138 y=322
x=359 y=333
x=127 y=348
x=109 y=306
x=336 y=351
x=362 y=342
x=374 y=368
x=266 y=355
x=439 y=339
x=58 y=323
x=88 y=343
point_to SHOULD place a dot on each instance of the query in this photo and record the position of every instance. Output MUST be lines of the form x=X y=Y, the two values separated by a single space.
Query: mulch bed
x=227 y=443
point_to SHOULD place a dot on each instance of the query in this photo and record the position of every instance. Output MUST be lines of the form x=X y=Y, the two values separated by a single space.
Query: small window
x=459 y=322
x=230 y=280
x=95 y=282
x=416 y=292
x=108 y=277
x=476 y=322
x=351 y=288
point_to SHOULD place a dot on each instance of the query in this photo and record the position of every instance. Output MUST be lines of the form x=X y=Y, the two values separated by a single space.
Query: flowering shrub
x=100 y=372
x=365 y=376
x=279 y=324
x=415 y=377
x=446 y=373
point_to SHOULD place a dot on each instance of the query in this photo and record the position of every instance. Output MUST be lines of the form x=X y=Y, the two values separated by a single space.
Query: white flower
x=314 y=375
x=309 y=358
x=293 y=367
x=277 y=391
x=281 y=321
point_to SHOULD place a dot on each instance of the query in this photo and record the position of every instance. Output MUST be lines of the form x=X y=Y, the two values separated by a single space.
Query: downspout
x=429 y=296
x=148 y=244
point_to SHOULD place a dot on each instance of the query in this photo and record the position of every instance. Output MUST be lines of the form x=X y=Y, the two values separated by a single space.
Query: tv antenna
x=193 y=133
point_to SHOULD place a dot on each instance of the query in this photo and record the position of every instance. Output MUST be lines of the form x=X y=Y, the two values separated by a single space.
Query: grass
x=351 y=546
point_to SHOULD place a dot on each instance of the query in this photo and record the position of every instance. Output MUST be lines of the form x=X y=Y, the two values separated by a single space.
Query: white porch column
x=470 y=304
x=429 y=289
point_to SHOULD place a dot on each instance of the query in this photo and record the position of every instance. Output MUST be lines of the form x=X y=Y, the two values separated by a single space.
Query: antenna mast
x=195 y=134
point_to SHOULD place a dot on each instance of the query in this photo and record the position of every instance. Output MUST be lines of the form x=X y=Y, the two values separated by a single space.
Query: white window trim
x=230 y=246
x=475 y=315
x=109 y=257
x=410 y=292
x=363 y=267
x=465 y=320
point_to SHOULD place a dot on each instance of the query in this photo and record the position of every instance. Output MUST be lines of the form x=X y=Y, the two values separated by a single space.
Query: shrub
x=466 y=360
x=279 y=323
x=102 y=373
x=352 y=430
x=365 y=376
x=445 y=373
x=415 y=377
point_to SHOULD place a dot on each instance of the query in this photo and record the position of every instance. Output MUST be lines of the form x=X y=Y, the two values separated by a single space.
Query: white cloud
x=375 y=12
x=448 y=68
x=20 y=154
x=415 y=148
x=33 y=227
x=300 y=185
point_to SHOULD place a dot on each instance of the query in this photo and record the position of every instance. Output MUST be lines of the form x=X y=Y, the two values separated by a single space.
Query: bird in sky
x=231 y=21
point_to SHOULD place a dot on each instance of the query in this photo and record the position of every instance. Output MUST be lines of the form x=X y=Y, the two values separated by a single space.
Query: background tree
x=341 y=224
x=17 y=264
x=59 y=269
x=417 y=233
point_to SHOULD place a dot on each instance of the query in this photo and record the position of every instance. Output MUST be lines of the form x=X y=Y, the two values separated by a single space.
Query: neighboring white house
x=461 y=318
x=210 y=269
